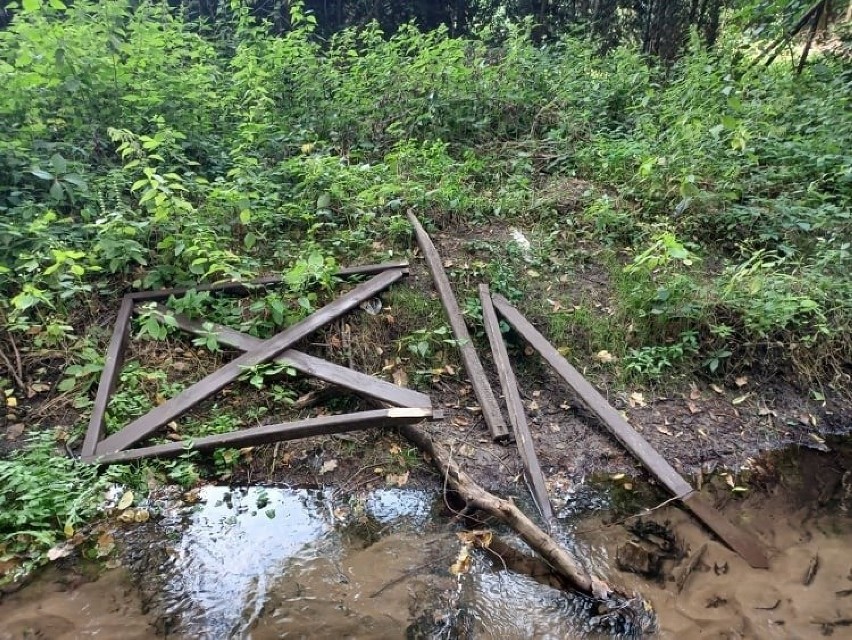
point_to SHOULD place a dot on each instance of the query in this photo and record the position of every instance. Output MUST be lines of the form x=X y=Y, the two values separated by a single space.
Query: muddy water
x=297 y=563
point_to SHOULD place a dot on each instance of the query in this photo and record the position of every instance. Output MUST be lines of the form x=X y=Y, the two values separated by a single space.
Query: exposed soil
x=693 y=423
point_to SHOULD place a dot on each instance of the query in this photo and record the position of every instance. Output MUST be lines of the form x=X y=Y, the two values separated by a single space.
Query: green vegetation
x=140 y=147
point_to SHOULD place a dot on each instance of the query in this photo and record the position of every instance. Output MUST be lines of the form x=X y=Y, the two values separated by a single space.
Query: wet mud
x=264 y=563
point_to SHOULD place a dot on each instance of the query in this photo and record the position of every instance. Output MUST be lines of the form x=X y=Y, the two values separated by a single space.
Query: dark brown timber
x=360 y=383
x=515 y=406
x=478 y=380
x=219 y=379
x=109 y=375
x=242 y=288
x=740 y=541
x=322 y=426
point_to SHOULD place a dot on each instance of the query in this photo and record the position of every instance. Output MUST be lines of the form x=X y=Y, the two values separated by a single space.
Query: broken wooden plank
x=515 y=406
x=254 y=436
x=473 y=366
x=243 y=288
x=739 y=540
x=109 y=376
x=219 y=379
x=360 y=383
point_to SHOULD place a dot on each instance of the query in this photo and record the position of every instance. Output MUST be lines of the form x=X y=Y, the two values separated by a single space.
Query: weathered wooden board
x=473 y=366
x=360 y=383
x=242 y=288
x=739 y=540
x=219 y=379
x=254 y=436
x=515 y=406
x=109 y=375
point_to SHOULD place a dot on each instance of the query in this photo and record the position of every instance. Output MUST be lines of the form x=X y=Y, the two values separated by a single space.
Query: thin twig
x=641 y=514
x=17 y=374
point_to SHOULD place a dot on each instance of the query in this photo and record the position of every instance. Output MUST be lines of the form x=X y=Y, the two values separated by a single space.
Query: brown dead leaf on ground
x=395 y=480
x=400 y=378
x=328 y=466
x=636 y=399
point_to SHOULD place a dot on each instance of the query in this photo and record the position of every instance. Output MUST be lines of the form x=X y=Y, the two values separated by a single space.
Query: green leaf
x=59 y=164
x=245 y=216
x=56 y=191
x=31 y=5
x=41 y=173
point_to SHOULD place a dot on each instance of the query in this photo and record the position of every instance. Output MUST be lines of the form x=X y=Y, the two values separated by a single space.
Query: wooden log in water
x=563 y=563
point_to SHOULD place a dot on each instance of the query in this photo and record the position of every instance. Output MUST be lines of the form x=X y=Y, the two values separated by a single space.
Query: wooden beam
x=219 y=379
x=242 y=288
x=360 y=383
x=324 y=425
x=740 y=541
x=473 y=366
x=515 y=406
x=109 y=375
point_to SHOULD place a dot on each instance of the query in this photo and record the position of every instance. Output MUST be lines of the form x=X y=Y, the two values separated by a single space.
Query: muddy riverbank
x=265 y=562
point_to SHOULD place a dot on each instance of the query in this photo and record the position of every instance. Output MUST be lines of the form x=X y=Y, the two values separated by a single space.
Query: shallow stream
x=264 y=563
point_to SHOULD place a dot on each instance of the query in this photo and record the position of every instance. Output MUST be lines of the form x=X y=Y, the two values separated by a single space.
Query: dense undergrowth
x=140 y=150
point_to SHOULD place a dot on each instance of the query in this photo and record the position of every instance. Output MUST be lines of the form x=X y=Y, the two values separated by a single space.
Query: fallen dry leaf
x=462 y=563
x=328 y=466
x=604 y=357
x=400 y=378
x=694 y=393
x=126 y=500
x=717 y=388
x=60 y=551
x=741 y=381
x=636 y=400
x=693 y=409
x=478 y=538
x=11 y=402
x=106 y=544
x=664 y=431
x=741 y=399
x=397 y=480
x=467 y=451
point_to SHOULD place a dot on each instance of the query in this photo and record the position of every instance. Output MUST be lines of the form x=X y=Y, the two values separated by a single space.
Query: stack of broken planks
x=403 y=406
x=742 y=542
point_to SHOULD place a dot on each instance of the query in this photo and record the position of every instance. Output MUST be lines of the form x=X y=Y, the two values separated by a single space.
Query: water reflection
x=243 y=553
